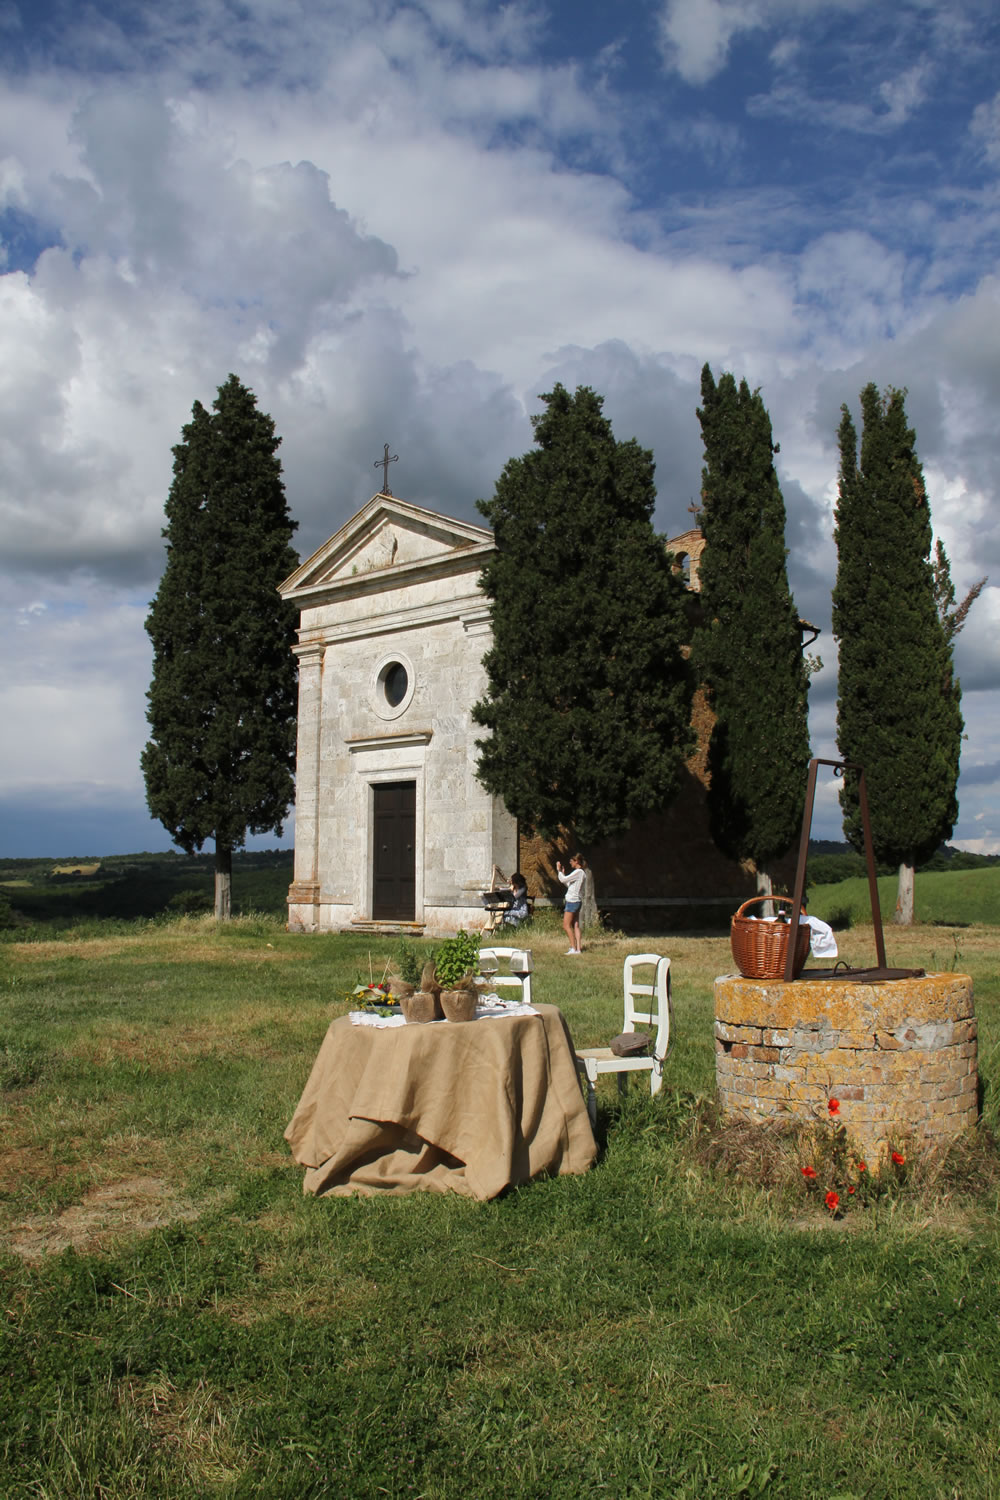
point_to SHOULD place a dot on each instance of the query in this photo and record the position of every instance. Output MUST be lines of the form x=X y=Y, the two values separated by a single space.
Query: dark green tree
x=588 y=697
x=220 y=759
x=748 y=647
x=953 y=616
x=898 y=711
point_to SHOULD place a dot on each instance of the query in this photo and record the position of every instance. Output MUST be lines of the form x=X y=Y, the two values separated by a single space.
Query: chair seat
x=612 y=1062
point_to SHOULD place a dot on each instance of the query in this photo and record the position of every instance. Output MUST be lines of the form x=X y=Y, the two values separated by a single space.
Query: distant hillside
x=831 y=861
x=128 y=886
x=956 y=898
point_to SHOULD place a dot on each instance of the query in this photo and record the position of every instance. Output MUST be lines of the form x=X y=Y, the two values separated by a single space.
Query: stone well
x=900 y=1055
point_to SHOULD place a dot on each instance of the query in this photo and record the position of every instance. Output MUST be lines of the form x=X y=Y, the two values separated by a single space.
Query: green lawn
x=181 y=1321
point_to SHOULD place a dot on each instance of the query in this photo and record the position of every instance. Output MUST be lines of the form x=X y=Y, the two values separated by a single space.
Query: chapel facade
x=392 y=829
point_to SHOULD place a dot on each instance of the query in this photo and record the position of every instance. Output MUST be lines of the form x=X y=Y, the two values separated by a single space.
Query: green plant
x=455 y=957
x=406 y=963
x=839 y=1172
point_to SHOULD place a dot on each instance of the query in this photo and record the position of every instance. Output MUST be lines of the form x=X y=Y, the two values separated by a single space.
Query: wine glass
x=488 y=965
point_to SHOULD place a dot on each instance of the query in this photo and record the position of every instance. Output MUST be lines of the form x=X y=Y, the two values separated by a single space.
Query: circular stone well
x=900 y=1056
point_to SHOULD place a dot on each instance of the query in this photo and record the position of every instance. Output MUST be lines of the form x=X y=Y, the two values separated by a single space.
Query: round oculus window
x=395 y=681
x=393 y=684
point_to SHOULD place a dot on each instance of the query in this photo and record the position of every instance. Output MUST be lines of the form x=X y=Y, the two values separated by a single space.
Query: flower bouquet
x=379 y=998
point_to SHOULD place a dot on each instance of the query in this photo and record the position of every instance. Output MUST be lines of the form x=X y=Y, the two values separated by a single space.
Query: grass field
x=181 y=1321
x=952 y=897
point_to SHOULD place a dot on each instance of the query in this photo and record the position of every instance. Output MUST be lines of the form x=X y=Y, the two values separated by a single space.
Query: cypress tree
x=748 y=647
x=588 y=696
x=898 y=712
x=222 y=702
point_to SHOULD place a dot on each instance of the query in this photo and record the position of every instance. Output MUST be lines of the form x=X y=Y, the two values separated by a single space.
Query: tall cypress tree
x=748 y=648
x=588 y=697
x=898 y=711
x=221 y=755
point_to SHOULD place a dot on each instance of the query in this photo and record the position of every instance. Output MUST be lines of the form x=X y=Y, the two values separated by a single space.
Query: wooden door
x=395 y=861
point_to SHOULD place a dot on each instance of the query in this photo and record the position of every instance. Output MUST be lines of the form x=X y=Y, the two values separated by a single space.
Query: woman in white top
x=573 y=881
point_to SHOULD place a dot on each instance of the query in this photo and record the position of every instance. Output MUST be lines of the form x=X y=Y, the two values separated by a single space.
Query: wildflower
x=809 y=1172
x=832 y=1201
x=833 y=1105
x=851 y=1190
x=861 y=1166
x=897 y=1160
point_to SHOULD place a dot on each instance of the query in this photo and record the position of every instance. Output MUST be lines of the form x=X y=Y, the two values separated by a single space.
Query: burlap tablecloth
x=469 y=1107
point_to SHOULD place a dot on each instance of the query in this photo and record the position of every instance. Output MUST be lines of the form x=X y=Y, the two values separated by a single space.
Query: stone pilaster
x=304 y=892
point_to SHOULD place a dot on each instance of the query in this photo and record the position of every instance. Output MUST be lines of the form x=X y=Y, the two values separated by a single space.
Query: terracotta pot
x=420 y=1006
x=459 y=1005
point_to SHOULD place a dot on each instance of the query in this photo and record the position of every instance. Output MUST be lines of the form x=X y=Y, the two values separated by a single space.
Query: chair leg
x=592 y=1103
x=622 y=1084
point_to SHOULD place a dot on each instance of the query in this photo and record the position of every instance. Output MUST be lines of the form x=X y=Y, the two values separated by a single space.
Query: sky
x=402 y=221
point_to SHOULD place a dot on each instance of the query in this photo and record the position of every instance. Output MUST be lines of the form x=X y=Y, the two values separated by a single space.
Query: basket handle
x=788 y=900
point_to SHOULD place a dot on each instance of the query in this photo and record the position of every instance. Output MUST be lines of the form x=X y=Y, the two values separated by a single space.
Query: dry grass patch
x=318 y=1301
x=189 y=946
x=18 y=1163
x=199 y=1426
x=178 y=1047
x=118 y=1210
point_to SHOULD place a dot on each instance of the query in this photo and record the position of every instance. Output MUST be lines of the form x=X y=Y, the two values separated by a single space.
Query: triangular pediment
x=387 y=538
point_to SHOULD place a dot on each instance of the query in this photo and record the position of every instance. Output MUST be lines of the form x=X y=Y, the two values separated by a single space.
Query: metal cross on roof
x=384 y=463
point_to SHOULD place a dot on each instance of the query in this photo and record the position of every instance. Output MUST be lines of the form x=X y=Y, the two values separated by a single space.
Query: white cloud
x=985 y=129
x=75 y=668
x=695 y=35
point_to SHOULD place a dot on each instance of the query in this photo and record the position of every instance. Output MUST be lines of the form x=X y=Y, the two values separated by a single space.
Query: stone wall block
x=816 y=1062
x=748 y=1034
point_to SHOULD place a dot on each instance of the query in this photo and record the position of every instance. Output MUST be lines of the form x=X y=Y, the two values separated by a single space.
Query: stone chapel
x=392 y=830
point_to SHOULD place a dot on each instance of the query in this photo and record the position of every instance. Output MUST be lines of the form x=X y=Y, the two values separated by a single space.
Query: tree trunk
x=223 y=882
x=903 y=914
x=589 y=917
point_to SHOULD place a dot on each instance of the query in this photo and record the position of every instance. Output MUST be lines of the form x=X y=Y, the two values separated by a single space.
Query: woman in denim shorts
x=573 y=880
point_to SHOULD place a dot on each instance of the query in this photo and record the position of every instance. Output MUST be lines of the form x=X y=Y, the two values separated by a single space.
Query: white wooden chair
x=654 y=1014
x=519 y=977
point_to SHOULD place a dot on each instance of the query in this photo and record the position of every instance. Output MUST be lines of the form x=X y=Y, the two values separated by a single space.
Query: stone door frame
x=375 y=761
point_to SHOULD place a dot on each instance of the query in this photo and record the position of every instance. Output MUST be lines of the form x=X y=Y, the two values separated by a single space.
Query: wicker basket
x=760 y=948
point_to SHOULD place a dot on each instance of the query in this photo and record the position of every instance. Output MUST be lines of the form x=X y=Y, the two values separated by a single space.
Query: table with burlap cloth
x=469 y=1107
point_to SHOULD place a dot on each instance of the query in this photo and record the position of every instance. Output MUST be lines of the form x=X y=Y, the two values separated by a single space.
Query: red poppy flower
x=809 y=1171
x=850 y=1190
x=899 y=1161
x=861 y=1167
x=832 y=1201
x=833 y=1105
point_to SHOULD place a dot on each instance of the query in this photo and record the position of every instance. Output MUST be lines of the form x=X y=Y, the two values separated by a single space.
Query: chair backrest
x=648 y=1000
x=522 y=978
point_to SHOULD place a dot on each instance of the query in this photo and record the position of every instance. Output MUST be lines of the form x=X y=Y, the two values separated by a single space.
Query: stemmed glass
x=488 y=965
